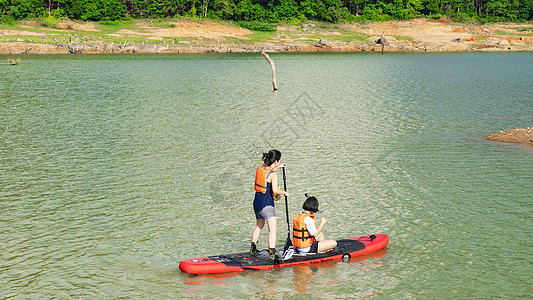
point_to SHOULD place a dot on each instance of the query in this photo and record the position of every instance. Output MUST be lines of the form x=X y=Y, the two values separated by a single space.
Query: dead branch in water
x=274 y=84
x=13 y=62
x=383 y=42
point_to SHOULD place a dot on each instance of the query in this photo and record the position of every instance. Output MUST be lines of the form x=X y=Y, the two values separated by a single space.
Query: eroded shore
x=419 y=35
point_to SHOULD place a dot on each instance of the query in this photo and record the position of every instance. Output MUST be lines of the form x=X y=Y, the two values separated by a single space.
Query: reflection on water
x=312 y=279
x=115 y=168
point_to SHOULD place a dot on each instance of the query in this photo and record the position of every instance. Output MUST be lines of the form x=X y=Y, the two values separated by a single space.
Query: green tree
x=23 y=9
x=103 y=10
x=271 y=10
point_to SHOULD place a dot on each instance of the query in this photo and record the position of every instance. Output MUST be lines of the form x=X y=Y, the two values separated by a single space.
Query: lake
x=114 y=168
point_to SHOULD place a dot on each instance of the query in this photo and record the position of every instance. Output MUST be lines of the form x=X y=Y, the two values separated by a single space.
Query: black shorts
x=314 y=247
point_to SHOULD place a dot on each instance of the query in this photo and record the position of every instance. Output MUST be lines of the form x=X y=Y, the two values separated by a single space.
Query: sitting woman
x=307 y=238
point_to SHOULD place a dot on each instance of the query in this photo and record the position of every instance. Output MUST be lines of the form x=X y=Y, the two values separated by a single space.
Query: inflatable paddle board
x=346 y=248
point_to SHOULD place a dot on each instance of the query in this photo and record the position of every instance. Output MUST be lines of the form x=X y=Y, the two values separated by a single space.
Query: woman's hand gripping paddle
x=288 y=250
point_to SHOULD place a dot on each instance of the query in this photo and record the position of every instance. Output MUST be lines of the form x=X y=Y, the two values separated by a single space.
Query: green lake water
x=113 y=169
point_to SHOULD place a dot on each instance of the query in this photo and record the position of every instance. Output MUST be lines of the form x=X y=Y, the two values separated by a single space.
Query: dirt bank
x=418 y=35
x=518 y=135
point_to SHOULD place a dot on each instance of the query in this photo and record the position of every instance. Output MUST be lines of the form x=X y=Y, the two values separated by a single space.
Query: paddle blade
x=288 y=250
x=288 y=254
x=288 y=243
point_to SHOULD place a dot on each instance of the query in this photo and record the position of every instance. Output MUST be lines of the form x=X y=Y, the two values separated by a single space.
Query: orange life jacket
x=300 y=236
x=261 y=178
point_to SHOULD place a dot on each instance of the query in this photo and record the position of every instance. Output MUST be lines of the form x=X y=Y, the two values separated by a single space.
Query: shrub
x=7 y=20
x=50 y=21
x=435 y=16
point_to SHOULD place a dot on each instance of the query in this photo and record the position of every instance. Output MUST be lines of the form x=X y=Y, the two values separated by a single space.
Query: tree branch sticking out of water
x=383 y=42
x=13 y=62
x=274 y=84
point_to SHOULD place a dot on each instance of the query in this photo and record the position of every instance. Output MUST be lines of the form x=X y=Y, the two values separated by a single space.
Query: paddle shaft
x=286 y=205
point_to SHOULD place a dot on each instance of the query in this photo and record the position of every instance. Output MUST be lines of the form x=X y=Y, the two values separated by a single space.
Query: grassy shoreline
x=201 y=36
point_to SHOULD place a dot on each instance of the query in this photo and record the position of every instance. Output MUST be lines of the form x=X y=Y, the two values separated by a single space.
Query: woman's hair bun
x=265 y=156
x=270 y=157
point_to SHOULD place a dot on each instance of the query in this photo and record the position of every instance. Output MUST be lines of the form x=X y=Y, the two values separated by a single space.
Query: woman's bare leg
x=257 y=230
x=326 y=245
x=272 y=228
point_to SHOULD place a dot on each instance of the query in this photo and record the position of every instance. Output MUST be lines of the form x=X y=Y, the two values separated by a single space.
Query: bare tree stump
x=274 y=84
x=383 y=42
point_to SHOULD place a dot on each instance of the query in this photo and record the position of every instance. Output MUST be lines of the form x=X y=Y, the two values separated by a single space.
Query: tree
x=271 y=10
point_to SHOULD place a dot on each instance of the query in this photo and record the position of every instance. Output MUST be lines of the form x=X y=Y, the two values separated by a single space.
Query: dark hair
x=311 y=204
x=270 y=157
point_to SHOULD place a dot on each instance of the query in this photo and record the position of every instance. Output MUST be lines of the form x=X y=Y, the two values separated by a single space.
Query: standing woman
x=266 y=186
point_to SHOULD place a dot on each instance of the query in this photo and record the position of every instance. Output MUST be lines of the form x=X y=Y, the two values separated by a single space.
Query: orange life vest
x=261 y=178
x=300 y=236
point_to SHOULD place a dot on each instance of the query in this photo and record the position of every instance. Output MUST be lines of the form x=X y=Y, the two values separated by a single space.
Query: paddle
x=288 y=243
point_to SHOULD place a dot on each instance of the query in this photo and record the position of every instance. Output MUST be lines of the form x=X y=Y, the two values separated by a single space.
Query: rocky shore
x=517 y=135
x=419 y=35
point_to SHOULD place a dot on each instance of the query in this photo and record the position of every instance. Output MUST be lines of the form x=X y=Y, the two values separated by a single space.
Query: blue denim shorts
x=267 y=213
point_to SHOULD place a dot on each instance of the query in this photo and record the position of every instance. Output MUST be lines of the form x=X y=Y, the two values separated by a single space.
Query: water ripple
x=110 y=176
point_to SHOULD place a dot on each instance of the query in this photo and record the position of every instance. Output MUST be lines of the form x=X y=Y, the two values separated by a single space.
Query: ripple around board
x=110 y=176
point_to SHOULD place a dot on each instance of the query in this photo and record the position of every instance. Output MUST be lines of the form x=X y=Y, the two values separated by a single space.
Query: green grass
x=530 y=29
x=257 y=26
x=83 y=38
x=261 y=37
x=17 y=28
x=164 y=24
x=514 y=34
x=256 y=37
x=114 y=26
x=346 y=36
x=403 y=38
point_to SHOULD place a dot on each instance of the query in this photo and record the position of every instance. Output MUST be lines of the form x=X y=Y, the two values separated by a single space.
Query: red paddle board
x=244 y=261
